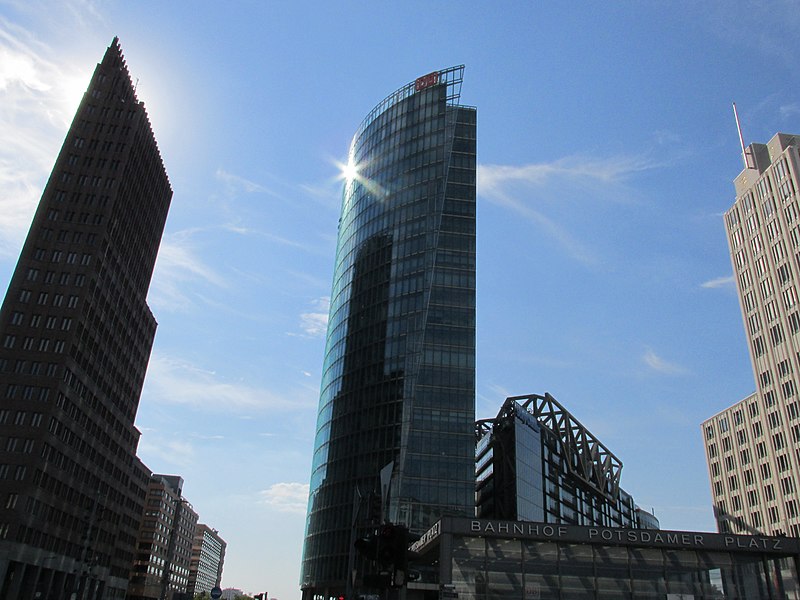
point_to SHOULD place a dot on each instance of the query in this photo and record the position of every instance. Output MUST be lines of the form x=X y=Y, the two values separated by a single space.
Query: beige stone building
x=753 y=447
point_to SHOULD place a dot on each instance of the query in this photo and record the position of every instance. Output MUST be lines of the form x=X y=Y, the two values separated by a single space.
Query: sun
x=349 y=171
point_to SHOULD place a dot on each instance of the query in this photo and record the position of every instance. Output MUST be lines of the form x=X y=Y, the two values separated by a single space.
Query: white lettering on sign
x=426 y=81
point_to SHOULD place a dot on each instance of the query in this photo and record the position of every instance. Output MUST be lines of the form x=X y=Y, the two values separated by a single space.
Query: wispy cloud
x=171 y=451
x=577 y=168
x=719 y=282
x=175 y=381
x=178 y=265
x=286 y=497
x=315 y=323
x=531 y=190
x=790 y=110
x=234 y=184
x=39 y=91
x=656 y=363
x=766 y=29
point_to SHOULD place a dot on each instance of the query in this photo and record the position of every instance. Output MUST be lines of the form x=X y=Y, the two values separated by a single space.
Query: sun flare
x=349 y=171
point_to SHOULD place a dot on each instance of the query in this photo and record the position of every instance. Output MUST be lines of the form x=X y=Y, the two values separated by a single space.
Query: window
x=772 y=309
x=761 y=266
x=755 y=519
x=789 y=297
x=783 y=463
x=744 y=456
x=756 y=244
x=749 y=479
x=745 y=279
x=776 y=334
x=784 y=276
x=779 y=251
x=766 y=288
x=765 y=378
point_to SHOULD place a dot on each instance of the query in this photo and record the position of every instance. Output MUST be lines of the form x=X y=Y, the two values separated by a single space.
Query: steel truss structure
x=587 y=458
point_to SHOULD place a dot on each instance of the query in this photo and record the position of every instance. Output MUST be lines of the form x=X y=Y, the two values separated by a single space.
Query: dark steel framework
x=588 y=458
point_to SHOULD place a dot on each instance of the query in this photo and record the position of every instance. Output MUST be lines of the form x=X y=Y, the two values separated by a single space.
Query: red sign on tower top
x=426 y=81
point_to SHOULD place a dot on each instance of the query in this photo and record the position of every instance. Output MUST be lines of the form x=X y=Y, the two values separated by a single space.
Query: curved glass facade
x=398 y=382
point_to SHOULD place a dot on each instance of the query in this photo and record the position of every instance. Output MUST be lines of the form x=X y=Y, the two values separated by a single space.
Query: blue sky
x=606 y=150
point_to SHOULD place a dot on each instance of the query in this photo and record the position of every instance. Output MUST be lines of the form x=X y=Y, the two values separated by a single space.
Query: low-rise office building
x=208 y=558
x=164 y=547
x=536 y=462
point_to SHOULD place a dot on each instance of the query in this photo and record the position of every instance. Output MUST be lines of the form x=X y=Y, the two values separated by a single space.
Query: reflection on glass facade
x=536 y=462
x=479 y=560
x=399 y=370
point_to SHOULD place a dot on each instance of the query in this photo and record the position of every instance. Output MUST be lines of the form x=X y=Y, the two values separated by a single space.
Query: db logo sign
x=426 y=81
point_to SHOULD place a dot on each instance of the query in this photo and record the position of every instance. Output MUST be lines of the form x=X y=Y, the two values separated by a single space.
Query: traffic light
x=387 y=544
x=367 y=546
x=388 y=547
x=374 y=508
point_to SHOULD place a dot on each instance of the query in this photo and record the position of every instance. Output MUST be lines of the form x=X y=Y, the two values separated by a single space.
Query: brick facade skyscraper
x=75 y=339
x=753 y=447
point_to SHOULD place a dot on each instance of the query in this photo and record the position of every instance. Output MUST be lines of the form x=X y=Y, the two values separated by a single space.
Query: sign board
x=426 y=81
x=216 y=592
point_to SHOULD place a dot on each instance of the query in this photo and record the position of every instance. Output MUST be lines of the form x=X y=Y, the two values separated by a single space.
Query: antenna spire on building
x=741 y=139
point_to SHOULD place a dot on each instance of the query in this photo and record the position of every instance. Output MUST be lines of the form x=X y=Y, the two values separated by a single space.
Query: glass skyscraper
x=398 y=382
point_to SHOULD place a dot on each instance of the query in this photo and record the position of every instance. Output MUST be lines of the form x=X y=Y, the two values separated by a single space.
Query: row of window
x=21 y=418
x=34 y=344
x=50 y=321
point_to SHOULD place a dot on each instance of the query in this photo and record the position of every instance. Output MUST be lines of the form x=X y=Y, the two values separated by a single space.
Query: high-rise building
x=753 y=447
x=75 y=338
x=398 y=380
x=164 y=549
x=208 y=559
x=536 y=462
